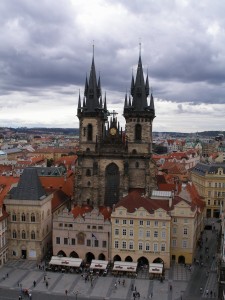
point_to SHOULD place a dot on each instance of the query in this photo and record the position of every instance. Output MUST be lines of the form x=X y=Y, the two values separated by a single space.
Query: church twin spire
x=137 y=101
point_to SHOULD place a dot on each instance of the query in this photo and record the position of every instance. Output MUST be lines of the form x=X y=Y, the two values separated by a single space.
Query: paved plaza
x=186 y=283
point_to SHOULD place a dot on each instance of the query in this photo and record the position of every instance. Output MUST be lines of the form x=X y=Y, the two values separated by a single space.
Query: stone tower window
x=32 y=218
x=23 y=235
x=14 y=235
x=14 y=217
x=89 y=132
x=23 y=217
x=32 y=235
x=88 y=172
x=138 y=132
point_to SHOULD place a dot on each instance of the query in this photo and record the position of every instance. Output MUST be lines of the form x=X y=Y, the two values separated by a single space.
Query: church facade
x=112 y=161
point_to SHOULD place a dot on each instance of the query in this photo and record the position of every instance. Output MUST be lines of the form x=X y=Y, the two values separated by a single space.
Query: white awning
x=65 y=261
x=155 y=268
x=99 y=264
x=124 y=266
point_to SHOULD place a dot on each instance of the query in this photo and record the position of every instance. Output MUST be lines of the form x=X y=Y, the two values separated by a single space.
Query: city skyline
x=46 y=52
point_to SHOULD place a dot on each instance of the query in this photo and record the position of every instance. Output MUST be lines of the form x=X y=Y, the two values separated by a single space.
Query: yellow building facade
x=209 y=180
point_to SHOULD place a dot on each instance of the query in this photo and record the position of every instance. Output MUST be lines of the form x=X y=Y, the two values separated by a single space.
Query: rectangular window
x=155 y=247
x=93 y=227
x=131 y=245
x=174 y=220
x=100 y=227
x=104 y=244
x=141 y=222
x=124 y=222
x=185 y=231
x=163 y=224
x=147 y=247
x=124 y=245
x=116 y=231
x=73 y=241
x=185 y=221
x=131 y=222
x=148 y=223
x=155 y=234
x=88 y=226
x=65 y=241
x=174 y=243
x=174 y=230
x=148 y=233
x=131 y=232
x=163 y=234
x=88 y=243
x=208 y=201
x=140 y=246
x=124 y=231
x=117 y=221
x=57 y=240
x=184 y=244
x=116 y=244
x=163 y=247
x=96 y=243
x=156 y=223
x=140 y=233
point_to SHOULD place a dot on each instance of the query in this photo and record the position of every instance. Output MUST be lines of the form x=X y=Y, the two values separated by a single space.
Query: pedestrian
x=119 y=281
x=7 y=275
x=30 y=296
x=207 y=292
x=46 y=284
x=34 y=283
x=124 y=282
x=20 y=298
x=66 y=292
x=211 y=293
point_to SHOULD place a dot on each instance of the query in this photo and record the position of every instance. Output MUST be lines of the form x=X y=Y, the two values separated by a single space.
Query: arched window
x=112 y=177
x=32 y=235
x=89 y=132
x=88 y=172
x=23 y=217
x=138 y=132
x=23 y=235
x=14 y=235
x=32 y=217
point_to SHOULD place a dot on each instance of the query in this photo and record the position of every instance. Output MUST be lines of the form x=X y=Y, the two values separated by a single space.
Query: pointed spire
x=99 y=89
x=130 y=104
x=105 y=104
x=125 y=102
x=84 y=103
x=139 y=94
x=86 y=87
x=147 y=86
x=152 y=106
x=79 y=101
x=132 y=85
x=100 y=101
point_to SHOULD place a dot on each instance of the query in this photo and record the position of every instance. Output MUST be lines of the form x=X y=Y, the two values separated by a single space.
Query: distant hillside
x=75 y=131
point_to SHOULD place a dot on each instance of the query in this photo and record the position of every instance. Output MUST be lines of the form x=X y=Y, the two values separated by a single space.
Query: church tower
x=112 y=162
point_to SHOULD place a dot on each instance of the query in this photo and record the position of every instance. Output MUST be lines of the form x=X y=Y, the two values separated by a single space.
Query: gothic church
x=112 y=162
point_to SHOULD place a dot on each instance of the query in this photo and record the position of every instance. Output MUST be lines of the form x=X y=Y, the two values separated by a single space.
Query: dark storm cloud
x=46 y=49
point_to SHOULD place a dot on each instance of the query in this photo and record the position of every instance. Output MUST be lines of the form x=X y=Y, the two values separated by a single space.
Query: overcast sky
x=46 y=52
